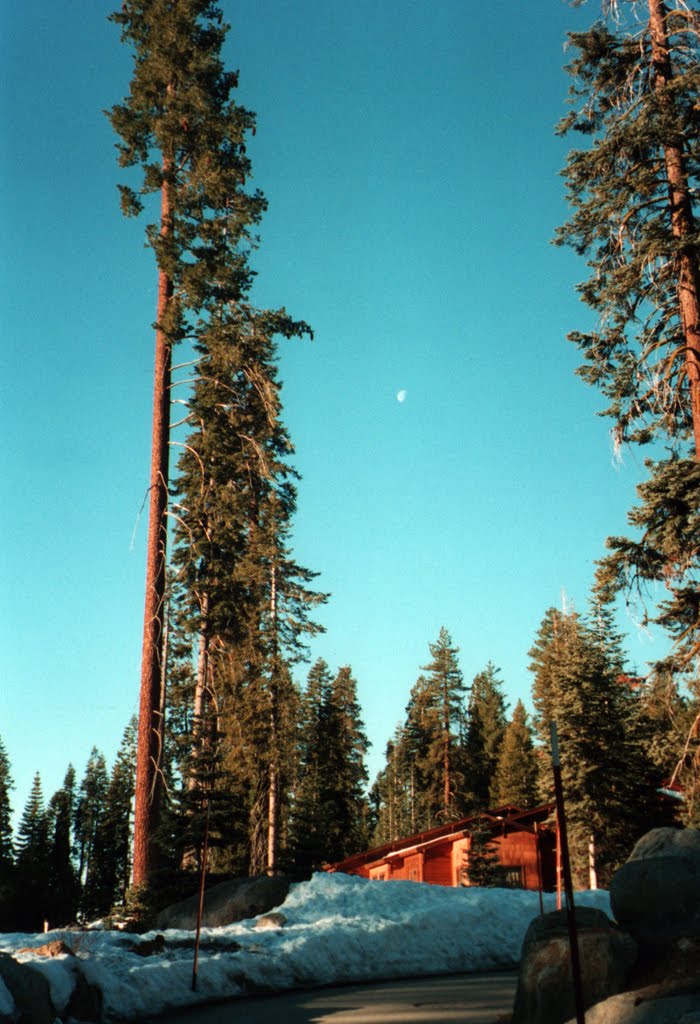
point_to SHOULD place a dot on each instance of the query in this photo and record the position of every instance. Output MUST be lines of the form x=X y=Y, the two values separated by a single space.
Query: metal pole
x=200 y=908
x=568 y=887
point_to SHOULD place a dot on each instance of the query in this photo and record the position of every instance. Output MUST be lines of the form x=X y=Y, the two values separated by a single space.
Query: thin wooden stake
x=568 y=887
x=200 y=908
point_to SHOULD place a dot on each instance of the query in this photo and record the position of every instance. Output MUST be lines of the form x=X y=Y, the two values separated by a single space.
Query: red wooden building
x=524 y=840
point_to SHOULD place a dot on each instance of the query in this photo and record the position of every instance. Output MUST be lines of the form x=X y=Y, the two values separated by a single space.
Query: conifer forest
x=237 y=732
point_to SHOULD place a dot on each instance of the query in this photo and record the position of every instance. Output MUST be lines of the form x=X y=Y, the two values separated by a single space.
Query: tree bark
x=148 y=752
x=446 y=748
x=273 y=782
x=682 y=220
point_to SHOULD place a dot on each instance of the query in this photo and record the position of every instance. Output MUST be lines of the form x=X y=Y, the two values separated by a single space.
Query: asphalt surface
x=455 y=999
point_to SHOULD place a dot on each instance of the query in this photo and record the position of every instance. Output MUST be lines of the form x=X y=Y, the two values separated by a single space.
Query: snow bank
x=339 y=928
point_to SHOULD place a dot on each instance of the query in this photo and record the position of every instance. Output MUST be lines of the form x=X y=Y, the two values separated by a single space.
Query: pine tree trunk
x=148 y=780
x=200 y=689
x=682 y=220
x=446 y=750
x=272 y=819
x=272 y=801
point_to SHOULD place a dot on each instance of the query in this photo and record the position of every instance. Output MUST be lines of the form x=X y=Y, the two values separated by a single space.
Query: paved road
x=460 y=999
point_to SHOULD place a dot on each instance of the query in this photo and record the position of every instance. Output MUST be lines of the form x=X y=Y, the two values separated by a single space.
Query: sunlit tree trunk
x=682 y=220
x=273 y=779
x=148 y=754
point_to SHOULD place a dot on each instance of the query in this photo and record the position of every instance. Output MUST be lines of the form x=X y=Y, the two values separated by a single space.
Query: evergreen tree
x=515 y=780
x=608 y=780
x=239 y=594
x=311 y=818
x=6 y=787
x=32 y=863
x=486 y=723
x=180 y=125
x=89 y=811
x=444 y=683
x=668 y=710
x=664 y=558
x=423 y=782
x=482 y=865
x=63 y=879
x=393 y=796
x=113 y=829
x=635 y=87
x=346 y=774
x=414 y=763
x=6 y=843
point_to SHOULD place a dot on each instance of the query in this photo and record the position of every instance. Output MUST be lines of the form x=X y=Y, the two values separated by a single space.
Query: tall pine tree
x=330 y=811
x=181 y=127
x=63 y=878
x=486 y=724
x=515 y=779
x=445 y=684
x=32 y=871
x=346 y=771
x=6 y=842
x=89 y=811
x=632 y=190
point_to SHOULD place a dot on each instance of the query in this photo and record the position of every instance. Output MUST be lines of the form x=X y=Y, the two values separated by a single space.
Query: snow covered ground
x=339 y=928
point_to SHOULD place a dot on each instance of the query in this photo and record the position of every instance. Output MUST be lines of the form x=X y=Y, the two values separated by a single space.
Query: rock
x=149 y=947
x=86 y=1002
x=30 y=991
x=273 y=920
x=656 y=895
x=55 y=948
x=227 y=902
x=664 y=989
x=545 y=991
x=628 y=1008
x=667 y=842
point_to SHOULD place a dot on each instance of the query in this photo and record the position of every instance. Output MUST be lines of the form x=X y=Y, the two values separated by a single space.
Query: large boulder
x=655 y=896
x=664 y=990
x=629 y=1008
x=227 y=902
x=667 y=842
x=29 y=990
x=86 y=1000
x=545 y=990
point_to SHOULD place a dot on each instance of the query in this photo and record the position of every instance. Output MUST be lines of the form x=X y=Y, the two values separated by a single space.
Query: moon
x=401 y=396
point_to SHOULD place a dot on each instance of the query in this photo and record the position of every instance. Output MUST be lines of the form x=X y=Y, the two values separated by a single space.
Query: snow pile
x=339 y=928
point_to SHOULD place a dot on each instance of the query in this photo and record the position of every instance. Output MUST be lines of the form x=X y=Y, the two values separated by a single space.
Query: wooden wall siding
x=413 y=867
x=437 y=867
x=519 y=850
x=379 y=872
x=460 y=853
x=397 y=869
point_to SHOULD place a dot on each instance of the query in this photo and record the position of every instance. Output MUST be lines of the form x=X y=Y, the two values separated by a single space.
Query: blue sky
x=408 y=155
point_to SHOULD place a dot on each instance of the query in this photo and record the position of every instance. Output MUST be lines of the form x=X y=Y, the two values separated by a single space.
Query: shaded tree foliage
x=609 y=781
x=486 y=723
x=515 y=778
x=330 y=810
